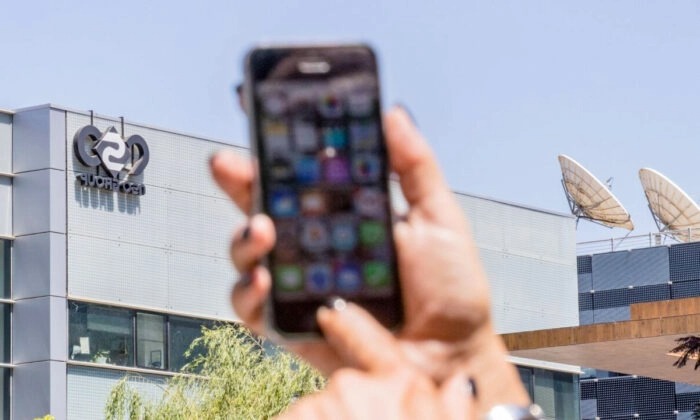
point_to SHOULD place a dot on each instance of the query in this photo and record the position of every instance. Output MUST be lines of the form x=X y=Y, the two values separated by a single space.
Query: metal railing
x=626 y=243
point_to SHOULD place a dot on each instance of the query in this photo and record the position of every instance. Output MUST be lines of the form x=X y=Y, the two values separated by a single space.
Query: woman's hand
x=445 y=292
x=382 y=383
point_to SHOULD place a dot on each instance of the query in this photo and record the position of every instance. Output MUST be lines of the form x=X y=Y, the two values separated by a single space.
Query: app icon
x=344 y=233
x=288 y=278
x=376 y=273
x=314 y=203
x=305 y=136
x=334 y=137
x=287 y=249
x=283 y=203
x=360 y=104
x=314 y=235
x=372 y=233
x=364 y=136
x=319 y=278
x=308 y=170
x=277 y=142
x=275 y=104
x=281 y=169
x=366 y=168
x=347 y=277
x=369 y=202
x=330 y=106
x=336 y=170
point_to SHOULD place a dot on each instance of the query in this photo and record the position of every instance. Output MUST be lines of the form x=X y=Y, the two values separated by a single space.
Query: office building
x=114 y=252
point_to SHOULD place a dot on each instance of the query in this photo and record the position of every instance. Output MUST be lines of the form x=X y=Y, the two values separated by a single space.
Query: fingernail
x=336 y=304
x=245 y=279
x=471 y=387
x=408 y=112
x=246 y=233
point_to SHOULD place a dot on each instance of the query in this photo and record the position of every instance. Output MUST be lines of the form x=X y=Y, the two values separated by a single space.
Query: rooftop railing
x=626 y=243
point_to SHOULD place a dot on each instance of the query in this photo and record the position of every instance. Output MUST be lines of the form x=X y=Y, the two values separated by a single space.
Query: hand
x=384 y=385
x=445 y=292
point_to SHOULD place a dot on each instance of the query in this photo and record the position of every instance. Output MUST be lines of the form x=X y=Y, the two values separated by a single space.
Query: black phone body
x=315 y=123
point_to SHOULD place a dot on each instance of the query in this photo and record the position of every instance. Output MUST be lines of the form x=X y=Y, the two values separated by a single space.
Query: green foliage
x=230 y=377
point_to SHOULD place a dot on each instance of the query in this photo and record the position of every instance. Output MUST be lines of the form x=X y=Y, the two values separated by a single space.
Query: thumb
x=457 y=398
x=358 y=338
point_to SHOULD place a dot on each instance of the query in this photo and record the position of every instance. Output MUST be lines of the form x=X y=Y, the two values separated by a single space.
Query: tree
x=231 y=376
x=689 y=347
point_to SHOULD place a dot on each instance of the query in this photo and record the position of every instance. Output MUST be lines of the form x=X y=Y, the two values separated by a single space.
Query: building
x=104 y=277
x=633 y=305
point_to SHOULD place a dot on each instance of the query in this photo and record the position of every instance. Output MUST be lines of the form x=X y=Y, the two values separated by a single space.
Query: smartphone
x=316 y=130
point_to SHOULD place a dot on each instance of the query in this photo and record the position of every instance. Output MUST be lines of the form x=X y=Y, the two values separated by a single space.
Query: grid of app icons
x=327 y=194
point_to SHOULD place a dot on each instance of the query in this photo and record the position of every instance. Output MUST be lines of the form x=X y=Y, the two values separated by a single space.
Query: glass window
x=150 y=340
x=5 y=247
x=183 y=331
x=557 y=393
x=101 y=334
x=526 y=379
x=5 y=393
x=5 y=333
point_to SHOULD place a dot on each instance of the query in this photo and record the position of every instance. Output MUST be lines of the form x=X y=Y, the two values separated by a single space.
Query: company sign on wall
x=120 y=159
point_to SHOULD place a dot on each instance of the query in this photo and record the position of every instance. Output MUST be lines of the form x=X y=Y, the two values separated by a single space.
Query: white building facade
x=103 y=278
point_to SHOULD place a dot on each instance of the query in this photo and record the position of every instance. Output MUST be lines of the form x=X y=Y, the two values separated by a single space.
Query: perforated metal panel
x=585 y=282
x=586 y=318
x=529 y=257
x=166 y=249
x=682 y=388
x=638 y=267
x=611 y=315
x=89 y=388
x=687 y=401
x=685 y=261
x=583 y=264
x=588 y=391
x=589 y=409
x=615 y=397
x=611 y=298
x=685 y=289
x=585 y=301
x=651 y=293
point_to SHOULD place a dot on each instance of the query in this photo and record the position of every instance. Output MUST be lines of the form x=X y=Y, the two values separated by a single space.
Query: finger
x=252 y=242
x=358 y=338
x=457 y=397
x=411 y=158
x=248 y=298
x=234 y=173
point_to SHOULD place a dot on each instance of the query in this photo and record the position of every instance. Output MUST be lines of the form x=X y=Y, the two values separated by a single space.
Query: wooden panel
x=598 y=333
x=665 y=308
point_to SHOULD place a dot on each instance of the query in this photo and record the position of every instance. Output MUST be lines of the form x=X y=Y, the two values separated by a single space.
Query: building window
x=5 y=393
x=183 y=331
x=5 y=247
x=150 y=340
x=124 y=337
x=101 y=334
x=5 y=333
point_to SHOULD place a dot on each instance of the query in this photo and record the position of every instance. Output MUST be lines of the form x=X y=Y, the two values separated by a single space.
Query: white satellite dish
x=672 y=208
x=589 y=198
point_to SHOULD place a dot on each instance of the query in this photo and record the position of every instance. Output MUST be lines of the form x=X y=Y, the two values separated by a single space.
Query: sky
x=499 y=88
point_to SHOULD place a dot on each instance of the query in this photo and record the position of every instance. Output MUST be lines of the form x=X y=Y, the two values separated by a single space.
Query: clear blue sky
x=499 y=87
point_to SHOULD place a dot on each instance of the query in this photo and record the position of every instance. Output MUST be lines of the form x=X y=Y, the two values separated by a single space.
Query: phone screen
x=324 y=182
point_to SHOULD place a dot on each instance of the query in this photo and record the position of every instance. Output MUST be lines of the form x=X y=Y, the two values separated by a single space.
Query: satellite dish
x=589 y=198
x=673 y=210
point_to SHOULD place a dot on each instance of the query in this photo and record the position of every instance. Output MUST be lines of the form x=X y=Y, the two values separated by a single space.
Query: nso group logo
x=121 y=159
